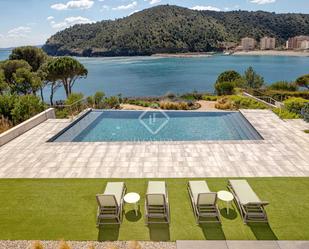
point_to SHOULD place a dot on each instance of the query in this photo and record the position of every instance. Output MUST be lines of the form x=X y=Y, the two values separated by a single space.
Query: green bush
x=280 y=95
x=25 y=107
x=224 y=88
x=285 y=114
x=241 y=102
x=283 y=85
x=295 y=105
x=99 y=99
x=74 y=98
x=112 y=102
x=7 y=103
x=305 y=112
x=210 y=97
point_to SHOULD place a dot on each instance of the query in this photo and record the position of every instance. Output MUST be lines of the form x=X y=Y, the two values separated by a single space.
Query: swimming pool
x=98 y=126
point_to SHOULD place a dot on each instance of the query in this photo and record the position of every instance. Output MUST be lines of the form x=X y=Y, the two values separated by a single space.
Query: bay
x=153 y=76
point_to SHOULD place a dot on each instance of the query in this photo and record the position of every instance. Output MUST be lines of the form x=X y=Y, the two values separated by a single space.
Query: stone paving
x=241 y=244
x=283 y=152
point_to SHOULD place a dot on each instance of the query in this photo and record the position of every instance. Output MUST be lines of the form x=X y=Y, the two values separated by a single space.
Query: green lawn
x=52 y=209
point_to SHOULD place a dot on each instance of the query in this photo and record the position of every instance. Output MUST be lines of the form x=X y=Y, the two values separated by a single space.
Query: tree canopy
x=168 y=29
x=67 y=70
x=33 y=55
x=252 y=79
x=229 y=76
x=303 y=81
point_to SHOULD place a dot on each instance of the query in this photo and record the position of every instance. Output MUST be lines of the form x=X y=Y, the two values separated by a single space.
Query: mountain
x=170 y=29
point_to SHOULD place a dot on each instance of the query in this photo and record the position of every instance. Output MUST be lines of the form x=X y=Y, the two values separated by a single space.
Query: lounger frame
x=110 y=212
x=252 y=211
x=204 y=211
x=158 y=211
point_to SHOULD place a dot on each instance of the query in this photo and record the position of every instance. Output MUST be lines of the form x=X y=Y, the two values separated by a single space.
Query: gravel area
x=26 y=244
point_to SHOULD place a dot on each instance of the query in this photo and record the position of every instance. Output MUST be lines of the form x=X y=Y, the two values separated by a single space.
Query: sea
x=154 y=76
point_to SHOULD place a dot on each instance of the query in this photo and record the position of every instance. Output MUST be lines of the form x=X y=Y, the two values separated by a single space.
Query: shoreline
x=184 y=55
x=272 y=53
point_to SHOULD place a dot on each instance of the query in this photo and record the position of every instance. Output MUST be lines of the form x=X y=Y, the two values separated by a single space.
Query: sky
x=32 y=22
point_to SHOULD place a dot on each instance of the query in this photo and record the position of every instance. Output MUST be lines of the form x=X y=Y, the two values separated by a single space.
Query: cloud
x=133 y=12
x=154 y=1
x=74 y=4
x=126 y=7
x=50 y=18
x=20 y=30
x=199 y=7
x=70 y=21
x=104 y=7
x=262 y=1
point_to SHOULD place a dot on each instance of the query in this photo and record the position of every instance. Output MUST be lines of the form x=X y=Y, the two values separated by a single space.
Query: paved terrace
x=284 y=152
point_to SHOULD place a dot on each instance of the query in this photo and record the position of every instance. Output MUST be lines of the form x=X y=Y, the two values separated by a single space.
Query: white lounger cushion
x=201 y=193
x=115 y=189
x=156 y=192
x=244 y=192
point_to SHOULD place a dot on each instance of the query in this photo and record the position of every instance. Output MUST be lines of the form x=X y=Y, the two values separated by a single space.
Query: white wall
x=26 y=126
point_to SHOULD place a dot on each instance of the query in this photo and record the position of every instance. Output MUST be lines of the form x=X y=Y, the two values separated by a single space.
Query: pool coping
x=89 y=110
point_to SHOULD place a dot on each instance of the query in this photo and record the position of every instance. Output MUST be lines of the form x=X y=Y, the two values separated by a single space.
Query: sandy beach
x=274 y=53
x=183 y=55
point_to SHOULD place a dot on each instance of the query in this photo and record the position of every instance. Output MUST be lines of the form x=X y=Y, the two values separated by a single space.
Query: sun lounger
x=110 y=203
x=204 y=202
x=156 y=203
x=250 y=206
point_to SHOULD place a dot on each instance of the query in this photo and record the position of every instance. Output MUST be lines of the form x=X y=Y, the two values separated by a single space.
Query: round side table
x=226 y=196
x=132 y=198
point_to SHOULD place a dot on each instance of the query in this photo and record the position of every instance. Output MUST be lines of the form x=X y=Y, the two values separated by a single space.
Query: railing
x=261 y=96
x=72 y=110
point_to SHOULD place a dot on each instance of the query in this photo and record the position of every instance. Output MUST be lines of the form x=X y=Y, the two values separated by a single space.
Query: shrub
x=192 y=96
x=241 y=102
x=7 y=103
x=224 y=88
x=5 y=124
x=62 y=113
x=283 y=85
x=295 y=105
x=90 y=101
x=25 y=107
x=37 y=245
x=99 y=99
x=283 y=95
x=252 y=79
x=228 y=76
x=170 y=95
x=64 y=245
x=73 y=98
x=210 y=97
x=112 y=102
x=305 y=112
x=134 y=245
x=285 y=114
x=167 y=105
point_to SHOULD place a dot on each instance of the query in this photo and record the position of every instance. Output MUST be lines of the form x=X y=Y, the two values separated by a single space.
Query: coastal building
x=248 y=43
x=296 y=42
x=268 y=43
x=304 y=45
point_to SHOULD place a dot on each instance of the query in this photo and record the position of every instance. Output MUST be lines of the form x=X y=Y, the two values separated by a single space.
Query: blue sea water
x=159 y=126
x=150 y=76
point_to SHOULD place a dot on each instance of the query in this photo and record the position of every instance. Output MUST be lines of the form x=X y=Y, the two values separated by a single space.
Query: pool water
x=99 y=126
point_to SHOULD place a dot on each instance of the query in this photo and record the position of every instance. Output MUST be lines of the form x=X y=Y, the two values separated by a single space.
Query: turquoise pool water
x=158 y=126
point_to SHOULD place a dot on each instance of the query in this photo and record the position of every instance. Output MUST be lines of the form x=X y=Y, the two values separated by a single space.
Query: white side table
x=132 y=198
x=227 y=197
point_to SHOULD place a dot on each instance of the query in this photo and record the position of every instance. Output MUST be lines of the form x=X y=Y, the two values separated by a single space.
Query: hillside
x=168 y=29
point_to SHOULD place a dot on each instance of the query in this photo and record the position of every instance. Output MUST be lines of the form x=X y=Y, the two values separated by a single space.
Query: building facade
x=268 y=43
x=296 y=42
x=304 y=45
x=248 y=43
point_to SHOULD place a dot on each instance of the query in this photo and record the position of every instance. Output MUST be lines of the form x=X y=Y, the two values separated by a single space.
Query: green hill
x=170 y=29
